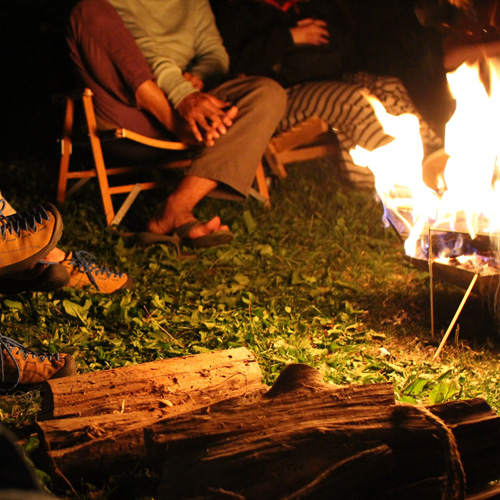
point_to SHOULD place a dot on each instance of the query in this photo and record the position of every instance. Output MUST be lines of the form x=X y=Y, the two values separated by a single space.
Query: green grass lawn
x=314 y=280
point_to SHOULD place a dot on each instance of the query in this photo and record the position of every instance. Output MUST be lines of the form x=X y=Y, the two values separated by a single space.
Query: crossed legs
x=126 y=95
x=230 y=164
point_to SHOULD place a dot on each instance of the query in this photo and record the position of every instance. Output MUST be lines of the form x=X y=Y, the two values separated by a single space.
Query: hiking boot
x=26 y=237
x=83 y=270
x=39 y=278
x=20 y=365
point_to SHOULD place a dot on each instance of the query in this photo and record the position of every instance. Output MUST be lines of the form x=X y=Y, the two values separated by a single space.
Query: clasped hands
x=310 y=32
x=206 y=117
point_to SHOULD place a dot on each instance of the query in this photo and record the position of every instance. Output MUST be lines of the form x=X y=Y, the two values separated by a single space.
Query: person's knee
x=272 y=96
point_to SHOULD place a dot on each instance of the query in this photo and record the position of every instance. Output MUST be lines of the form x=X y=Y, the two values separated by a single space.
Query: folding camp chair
x=97 y=139
x=312 y=138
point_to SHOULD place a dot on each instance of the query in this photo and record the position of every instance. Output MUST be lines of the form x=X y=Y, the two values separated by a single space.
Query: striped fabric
x=343 y=106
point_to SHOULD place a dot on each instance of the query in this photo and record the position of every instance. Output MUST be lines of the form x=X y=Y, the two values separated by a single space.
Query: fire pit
x=445 y=206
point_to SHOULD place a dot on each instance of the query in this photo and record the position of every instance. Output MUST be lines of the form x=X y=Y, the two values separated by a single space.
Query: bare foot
x=159 y=226
x=178 y=209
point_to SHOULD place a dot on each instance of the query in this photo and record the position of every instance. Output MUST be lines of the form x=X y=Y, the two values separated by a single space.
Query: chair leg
x=126 y=205
x=100 y=167
x=276 y=166
x=66 y=147
x=260 y=177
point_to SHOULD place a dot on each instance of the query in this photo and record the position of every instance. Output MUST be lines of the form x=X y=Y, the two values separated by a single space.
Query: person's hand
x=206 y=116
x=310 y=32
x=196 y=82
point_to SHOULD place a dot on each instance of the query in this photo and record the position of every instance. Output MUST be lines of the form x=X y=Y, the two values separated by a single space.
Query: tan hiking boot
x=20 y=365
x=83 y=271
x=26 y=237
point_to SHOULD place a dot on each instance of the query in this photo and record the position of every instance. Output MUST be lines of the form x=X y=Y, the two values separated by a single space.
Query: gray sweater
x=176 y=36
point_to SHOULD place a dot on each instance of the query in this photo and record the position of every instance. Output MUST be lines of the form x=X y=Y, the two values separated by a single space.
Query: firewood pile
x=212 y=429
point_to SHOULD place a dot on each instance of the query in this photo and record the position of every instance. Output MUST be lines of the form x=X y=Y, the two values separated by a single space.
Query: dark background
x=35 y=67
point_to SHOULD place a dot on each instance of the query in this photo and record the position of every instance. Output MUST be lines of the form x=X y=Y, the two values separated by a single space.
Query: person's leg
x=392 y=93
x=53 y=268
x=232 y=162
x=178 y=209
x=234 y=158
x=344 y=106
x=109 y=62
x=24 y=366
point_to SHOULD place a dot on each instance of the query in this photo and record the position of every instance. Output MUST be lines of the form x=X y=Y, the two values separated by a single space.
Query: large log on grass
x=305 y=439
x=101 y=415
x=185 y=382
x=300 y=439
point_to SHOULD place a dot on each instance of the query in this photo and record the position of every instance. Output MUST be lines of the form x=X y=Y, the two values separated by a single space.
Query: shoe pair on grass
x=27 y=237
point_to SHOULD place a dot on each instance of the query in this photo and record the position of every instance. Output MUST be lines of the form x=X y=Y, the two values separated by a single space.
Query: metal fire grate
x=482 y=282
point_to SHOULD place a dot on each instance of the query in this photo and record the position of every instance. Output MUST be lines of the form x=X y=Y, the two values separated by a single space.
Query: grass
x=315 y=280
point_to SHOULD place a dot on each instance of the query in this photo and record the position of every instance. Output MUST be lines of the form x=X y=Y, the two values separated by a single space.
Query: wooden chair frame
x=102 y=172
x=312 y=138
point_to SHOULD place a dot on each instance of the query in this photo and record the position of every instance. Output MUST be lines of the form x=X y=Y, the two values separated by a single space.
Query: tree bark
x=308 y=440
x=222 y=434
x=105 y=412
x=188 y=381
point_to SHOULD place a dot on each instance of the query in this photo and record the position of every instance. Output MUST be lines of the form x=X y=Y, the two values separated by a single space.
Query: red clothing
x=284 y=6
x=111 y=64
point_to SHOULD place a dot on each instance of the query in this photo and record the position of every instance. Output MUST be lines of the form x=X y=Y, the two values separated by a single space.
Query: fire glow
x=453 y=195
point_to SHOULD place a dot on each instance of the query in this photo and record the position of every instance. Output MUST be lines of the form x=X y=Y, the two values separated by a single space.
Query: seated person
x=162 y=70
x=310 y=57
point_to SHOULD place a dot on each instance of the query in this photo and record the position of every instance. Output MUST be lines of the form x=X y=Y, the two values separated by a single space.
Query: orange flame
x=453 y=190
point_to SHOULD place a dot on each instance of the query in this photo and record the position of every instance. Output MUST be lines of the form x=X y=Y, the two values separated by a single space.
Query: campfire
x=445 y=204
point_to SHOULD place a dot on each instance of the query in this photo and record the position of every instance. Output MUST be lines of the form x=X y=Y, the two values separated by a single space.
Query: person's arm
x=456 y=55
x=176 y=37
x=211 y=61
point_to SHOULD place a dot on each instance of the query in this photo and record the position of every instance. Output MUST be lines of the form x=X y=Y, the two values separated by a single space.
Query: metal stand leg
x=431 y=283
x=459 y=310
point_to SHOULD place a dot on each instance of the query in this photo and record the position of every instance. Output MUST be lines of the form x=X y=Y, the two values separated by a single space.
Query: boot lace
x=86 y=263
x=23 y=221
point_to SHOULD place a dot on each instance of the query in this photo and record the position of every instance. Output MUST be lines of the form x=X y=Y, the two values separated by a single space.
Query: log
x=234 y=438
x=101 y=415
x=151 y=387
x=476 y=429
x=313 y=439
